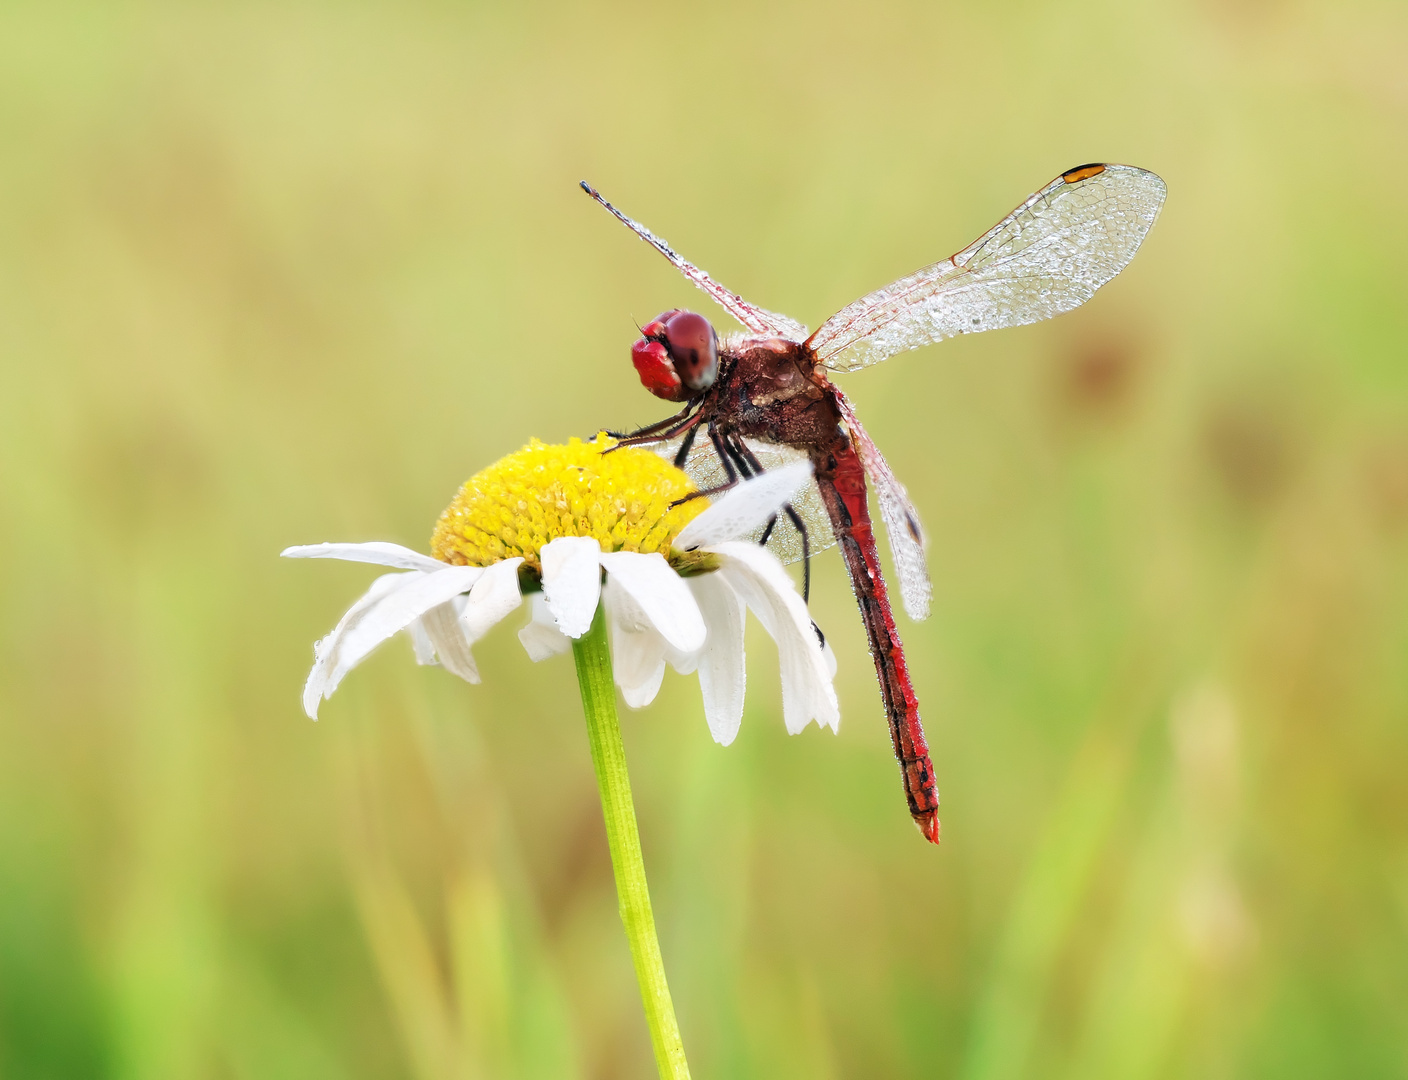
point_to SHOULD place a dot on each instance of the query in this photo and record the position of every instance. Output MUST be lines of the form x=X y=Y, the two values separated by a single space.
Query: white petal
x=640 y=694
x=661 y=594
x=744 y=507
x=572 y=581
x=683 y=662
x=494 y=597
x=722 y=672
x=441 y=624
x=541 y=637
x=454 y=627
x=423 y=644
x=830 y=654
x=397 y=612
x=762 y=583
x=376 y=551
x=327 y=652
x=420 y=641
x=637 y=648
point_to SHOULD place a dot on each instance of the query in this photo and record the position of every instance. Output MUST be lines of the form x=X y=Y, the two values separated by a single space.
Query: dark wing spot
x=1081 y=172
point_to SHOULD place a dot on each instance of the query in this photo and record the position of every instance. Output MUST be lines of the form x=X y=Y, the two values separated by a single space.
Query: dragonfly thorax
x=677 y=355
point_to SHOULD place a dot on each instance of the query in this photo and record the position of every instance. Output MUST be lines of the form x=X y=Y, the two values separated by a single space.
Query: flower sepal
x=693 y=563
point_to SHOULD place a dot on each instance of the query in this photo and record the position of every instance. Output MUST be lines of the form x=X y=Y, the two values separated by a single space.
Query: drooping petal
x=637 y=649
x=762 y=583
x=661 y=594
x=640 y=682
x=722 y=671
x=441 y=624
x=378 y=552
x=421 y=643
x=640 y=694
x=683 y=662
x=572 y=581
x=327 y=652
x=541 y=637
x=454 y=627
x=494 y=597
x=744 y=507
x=398 y=610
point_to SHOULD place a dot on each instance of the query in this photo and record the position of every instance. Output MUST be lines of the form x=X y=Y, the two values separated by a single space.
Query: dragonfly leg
x=772 y=521
x=724 y=458
x=682 y=455
x=801 y=528
x=706 y=493
x=650 y=429
x=741 y=449
x=746 y=461
x=656 y=437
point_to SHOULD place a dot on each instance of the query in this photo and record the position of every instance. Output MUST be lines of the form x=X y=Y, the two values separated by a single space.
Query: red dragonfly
x=764 y=397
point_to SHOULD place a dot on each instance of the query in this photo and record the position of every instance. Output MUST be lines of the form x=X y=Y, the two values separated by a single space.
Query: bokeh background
x=276 y=273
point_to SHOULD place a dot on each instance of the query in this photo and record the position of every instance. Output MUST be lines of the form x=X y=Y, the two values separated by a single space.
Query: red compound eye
x=656 y=372
x=694 y=347
x=655 y=328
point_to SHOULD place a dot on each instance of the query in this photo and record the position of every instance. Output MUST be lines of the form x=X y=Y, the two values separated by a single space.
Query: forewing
x=901 y=519
x=705 y=469
x=1046 y=257
x=759 y=320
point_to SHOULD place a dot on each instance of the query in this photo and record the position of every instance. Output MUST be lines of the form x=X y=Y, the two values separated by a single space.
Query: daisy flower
x=620 y=565
x=575 y=529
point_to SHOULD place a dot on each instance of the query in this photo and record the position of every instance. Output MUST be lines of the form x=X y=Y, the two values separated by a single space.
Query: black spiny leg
x=659 y=425
x=682 y=454
x=657 y=437
x=742 y=449
x=718 y=442
x=742 y=457
x=801 y=527
x=746 y=459
x=707 y=493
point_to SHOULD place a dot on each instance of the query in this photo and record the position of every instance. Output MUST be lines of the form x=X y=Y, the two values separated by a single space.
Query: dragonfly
x=764 y=397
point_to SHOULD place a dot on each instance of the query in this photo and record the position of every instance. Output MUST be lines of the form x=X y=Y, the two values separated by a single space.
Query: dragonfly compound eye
x=656 y=372
x=694 y=348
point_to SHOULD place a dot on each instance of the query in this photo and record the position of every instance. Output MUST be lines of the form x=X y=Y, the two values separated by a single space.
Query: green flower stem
x=608 y=755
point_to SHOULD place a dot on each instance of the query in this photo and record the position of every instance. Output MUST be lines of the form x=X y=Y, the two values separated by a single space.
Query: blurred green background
x=281 y=273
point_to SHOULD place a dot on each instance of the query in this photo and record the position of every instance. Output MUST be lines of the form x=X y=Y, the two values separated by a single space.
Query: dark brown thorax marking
x=773 y=389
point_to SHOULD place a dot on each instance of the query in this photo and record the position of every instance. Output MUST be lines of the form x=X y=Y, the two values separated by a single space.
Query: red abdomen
x=844 y=492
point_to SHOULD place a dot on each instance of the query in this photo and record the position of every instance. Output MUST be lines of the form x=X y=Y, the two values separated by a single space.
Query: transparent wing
x=1046 y=257
x=784 y=541
x=901 y=519
x=759 y=320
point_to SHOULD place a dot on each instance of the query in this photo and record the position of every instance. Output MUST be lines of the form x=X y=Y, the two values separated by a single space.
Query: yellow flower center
x=544 y=492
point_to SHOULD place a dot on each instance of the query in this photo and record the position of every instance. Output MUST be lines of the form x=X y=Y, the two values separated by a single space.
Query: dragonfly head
x=677 y=355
